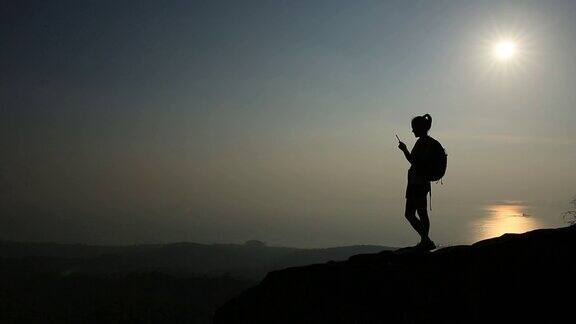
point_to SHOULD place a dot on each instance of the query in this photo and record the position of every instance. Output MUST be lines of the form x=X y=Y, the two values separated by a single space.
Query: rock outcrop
x=514 y=278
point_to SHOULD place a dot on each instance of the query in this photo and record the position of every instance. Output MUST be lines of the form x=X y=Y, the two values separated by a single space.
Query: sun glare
x=505 y=50
x=504 y=218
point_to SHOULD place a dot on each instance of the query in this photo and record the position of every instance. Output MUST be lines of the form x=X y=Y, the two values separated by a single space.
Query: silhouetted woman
x=418 y=187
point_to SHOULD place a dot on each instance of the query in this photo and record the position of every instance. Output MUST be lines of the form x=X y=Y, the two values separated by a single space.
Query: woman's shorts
x=417 y=190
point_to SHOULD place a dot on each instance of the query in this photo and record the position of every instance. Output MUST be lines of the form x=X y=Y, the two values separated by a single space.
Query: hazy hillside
x=179 y=282
x=133 y=298
x=250 y=261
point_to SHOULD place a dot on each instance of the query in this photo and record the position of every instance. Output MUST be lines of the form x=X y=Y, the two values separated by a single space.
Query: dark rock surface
x=514 y=278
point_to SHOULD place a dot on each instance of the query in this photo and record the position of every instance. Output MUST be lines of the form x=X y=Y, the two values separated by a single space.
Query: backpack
x=436 y=165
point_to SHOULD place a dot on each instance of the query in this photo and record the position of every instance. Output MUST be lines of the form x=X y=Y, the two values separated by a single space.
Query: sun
x=505 y=50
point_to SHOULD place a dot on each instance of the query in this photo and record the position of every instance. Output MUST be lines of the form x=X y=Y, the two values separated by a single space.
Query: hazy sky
x=222 y=121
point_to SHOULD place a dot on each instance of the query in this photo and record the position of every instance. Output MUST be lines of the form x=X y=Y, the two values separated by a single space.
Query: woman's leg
x=424 y=220
x=424 y=223
x=410 y=214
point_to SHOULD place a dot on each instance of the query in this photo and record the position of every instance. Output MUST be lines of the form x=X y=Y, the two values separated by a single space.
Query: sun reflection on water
x=504 y=218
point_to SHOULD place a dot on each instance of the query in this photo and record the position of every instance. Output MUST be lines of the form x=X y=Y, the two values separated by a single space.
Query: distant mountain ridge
x=250 y=260
x=176 y=283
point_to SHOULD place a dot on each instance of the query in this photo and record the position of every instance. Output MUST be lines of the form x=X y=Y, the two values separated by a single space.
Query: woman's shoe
x=426 y=244
x=429 y=245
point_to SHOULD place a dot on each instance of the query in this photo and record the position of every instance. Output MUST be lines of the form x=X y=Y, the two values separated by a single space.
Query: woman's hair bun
x=423 y=122
x=429 y=120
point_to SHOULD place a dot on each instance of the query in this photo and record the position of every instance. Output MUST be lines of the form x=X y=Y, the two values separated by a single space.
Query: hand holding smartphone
x=401 y=145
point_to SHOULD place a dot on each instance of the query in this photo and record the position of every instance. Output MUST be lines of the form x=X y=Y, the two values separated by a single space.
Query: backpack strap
x=442 y=183
x=430 y=197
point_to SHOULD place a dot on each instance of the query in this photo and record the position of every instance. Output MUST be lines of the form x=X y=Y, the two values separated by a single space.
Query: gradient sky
x=221 y=121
